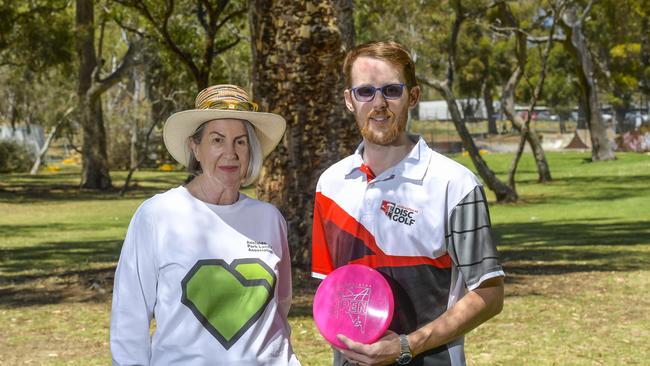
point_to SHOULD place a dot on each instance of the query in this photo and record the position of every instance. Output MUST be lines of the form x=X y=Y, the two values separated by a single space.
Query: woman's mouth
x=229 y=168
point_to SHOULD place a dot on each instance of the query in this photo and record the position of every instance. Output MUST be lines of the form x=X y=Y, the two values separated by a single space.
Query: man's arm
x=475 y=308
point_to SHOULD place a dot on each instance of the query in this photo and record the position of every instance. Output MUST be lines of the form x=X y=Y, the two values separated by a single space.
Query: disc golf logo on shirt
x=354 y=303
x=398 y=213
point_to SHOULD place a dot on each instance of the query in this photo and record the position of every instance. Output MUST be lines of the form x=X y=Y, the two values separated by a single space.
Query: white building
x=436 y=110
x=31 y=136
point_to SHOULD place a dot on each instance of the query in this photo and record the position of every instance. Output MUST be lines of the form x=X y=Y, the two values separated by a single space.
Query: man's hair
x=389 y=51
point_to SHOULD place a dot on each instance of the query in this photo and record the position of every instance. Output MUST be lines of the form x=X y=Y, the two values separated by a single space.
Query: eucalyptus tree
x=36 y=34
x=526 y=131
x=460 y=15
x=297 y=52
x=573 y=23
x=195 y=32
x=510 y=23
x=36 y=55
x=561 y=90
x=619 y=51
x=35 y=43
x=91 y=85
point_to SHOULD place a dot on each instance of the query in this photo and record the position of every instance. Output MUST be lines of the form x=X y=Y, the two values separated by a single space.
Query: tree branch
x=586 y=12
x=129 y=60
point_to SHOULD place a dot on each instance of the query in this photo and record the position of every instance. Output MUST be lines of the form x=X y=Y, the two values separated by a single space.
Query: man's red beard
x=387 y=134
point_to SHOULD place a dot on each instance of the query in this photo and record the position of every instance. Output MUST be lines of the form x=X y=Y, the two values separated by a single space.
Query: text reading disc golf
x=353 y=300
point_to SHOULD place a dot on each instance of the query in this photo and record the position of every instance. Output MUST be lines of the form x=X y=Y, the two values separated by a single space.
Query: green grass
x=576 y=252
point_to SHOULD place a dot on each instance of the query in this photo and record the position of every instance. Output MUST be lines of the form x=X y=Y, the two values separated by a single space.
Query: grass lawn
x=576 y=252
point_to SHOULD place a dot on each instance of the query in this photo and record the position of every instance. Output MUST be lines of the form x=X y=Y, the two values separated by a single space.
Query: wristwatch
x=405 y=355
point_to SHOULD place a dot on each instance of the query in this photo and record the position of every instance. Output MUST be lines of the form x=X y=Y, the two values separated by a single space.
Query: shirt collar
x=414 y=166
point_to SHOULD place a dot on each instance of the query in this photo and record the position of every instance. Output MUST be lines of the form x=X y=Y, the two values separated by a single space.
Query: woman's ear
x=195 y=148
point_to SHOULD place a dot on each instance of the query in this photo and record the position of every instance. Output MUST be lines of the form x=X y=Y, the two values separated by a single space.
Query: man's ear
x=348 y=100
x=414 y=96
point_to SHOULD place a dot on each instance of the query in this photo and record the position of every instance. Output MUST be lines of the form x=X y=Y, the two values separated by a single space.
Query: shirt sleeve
x=470 y=242
x=321 y=261
x=134 y=295
x=284 y=280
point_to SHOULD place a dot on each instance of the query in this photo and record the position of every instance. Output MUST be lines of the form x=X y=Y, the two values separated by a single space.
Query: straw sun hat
x=219 y=102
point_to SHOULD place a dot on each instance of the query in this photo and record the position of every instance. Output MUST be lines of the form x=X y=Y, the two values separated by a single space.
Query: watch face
x=404 y=358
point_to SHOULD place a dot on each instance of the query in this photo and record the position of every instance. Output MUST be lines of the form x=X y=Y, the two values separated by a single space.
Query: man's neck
x=380 y=158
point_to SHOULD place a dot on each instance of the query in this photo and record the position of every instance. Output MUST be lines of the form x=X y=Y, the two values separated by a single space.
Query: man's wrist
x=405 y=356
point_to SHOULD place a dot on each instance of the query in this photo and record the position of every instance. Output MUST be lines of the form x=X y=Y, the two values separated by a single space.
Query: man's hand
x=382 y=352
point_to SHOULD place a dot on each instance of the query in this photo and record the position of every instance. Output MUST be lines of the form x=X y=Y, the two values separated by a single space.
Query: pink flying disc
x=353 y=300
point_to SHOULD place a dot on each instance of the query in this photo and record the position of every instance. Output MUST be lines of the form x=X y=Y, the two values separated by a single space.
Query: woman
x=210 y=264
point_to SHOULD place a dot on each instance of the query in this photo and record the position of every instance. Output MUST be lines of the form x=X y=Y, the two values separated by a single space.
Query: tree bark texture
x=345 y=20
x=489 y=110
x=297 y=59
x=576 y=44
x=94 y=171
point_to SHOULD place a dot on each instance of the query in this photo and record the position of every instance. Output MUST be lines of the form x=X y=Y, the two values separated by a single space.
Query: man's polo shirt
x=424 y=224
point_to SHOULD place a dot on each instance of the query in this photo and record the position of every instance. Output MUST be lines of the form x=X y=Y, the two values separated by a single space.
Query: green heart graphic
x=228 y=298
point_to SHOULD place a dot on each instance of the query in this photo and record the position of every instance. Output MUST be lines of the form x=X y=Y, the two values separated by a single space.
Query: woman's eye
x=242 y=142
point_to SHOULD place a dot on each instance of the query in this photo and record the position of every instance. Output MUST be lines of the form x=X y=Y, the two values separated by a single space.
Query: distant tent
x=576 y=142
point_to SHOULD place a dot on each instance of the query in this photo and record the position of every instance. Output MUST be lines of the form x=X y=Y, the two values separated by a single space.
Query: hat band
x=235 y=105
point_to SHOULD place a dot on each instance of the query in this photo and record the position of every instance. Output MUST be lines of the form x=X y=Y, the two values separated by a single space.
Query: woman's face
x=223 y=151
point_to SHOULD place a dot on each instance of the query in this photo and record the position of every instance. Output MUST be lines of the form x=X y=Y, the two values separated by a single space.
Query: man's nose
x=379 y=101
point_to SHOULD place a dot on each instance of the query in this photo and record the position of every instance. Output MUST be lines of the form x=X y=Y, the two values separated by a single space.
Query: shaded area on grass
x=64 y=186
x=304 y=288
x=55 y=272
x=65 y=287
x=54 y=258
x=603 y=188
x=556 y=247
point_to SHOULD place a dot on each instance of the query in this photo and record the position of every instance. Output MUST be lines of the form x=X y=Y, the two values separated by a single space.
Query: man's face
x=381 y=121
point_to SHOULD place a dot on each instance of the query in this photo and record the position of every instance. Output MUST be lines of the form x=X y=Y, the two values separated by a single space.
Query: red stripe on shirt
x=325 y=209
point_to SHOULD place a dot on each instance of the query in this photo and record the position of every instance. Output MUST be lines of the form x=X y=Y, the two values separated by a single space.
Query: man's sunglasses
x=367 y=93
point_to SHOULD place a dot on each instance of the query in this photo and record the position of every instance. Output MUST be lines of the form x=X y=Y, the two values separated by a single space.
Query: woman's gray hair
x=254 y=152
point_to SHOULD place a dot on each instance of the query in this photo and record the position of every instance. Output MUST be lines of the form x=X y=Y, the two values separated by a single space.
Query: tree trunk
x=489 y=110
x=619 y=119
x=297 y=58
x=531 y=136
x=576 y=44
x=345 y=20
x=582 y=113
x=502 y=191
x=508 y=102
x=48 y=141
x=95 y=172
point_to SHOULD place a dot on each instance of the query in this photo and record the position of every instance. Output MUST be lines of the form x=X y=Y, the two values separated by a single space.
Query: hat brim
x=269 y=129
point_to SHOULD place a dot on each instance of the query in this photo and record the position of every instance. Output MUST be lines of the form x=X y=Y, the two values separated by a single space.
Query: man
x=416 y=216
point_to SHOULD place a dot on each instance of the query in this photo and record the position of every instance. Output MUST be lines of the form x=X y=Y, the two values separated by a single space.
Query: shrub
x=14 y=157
